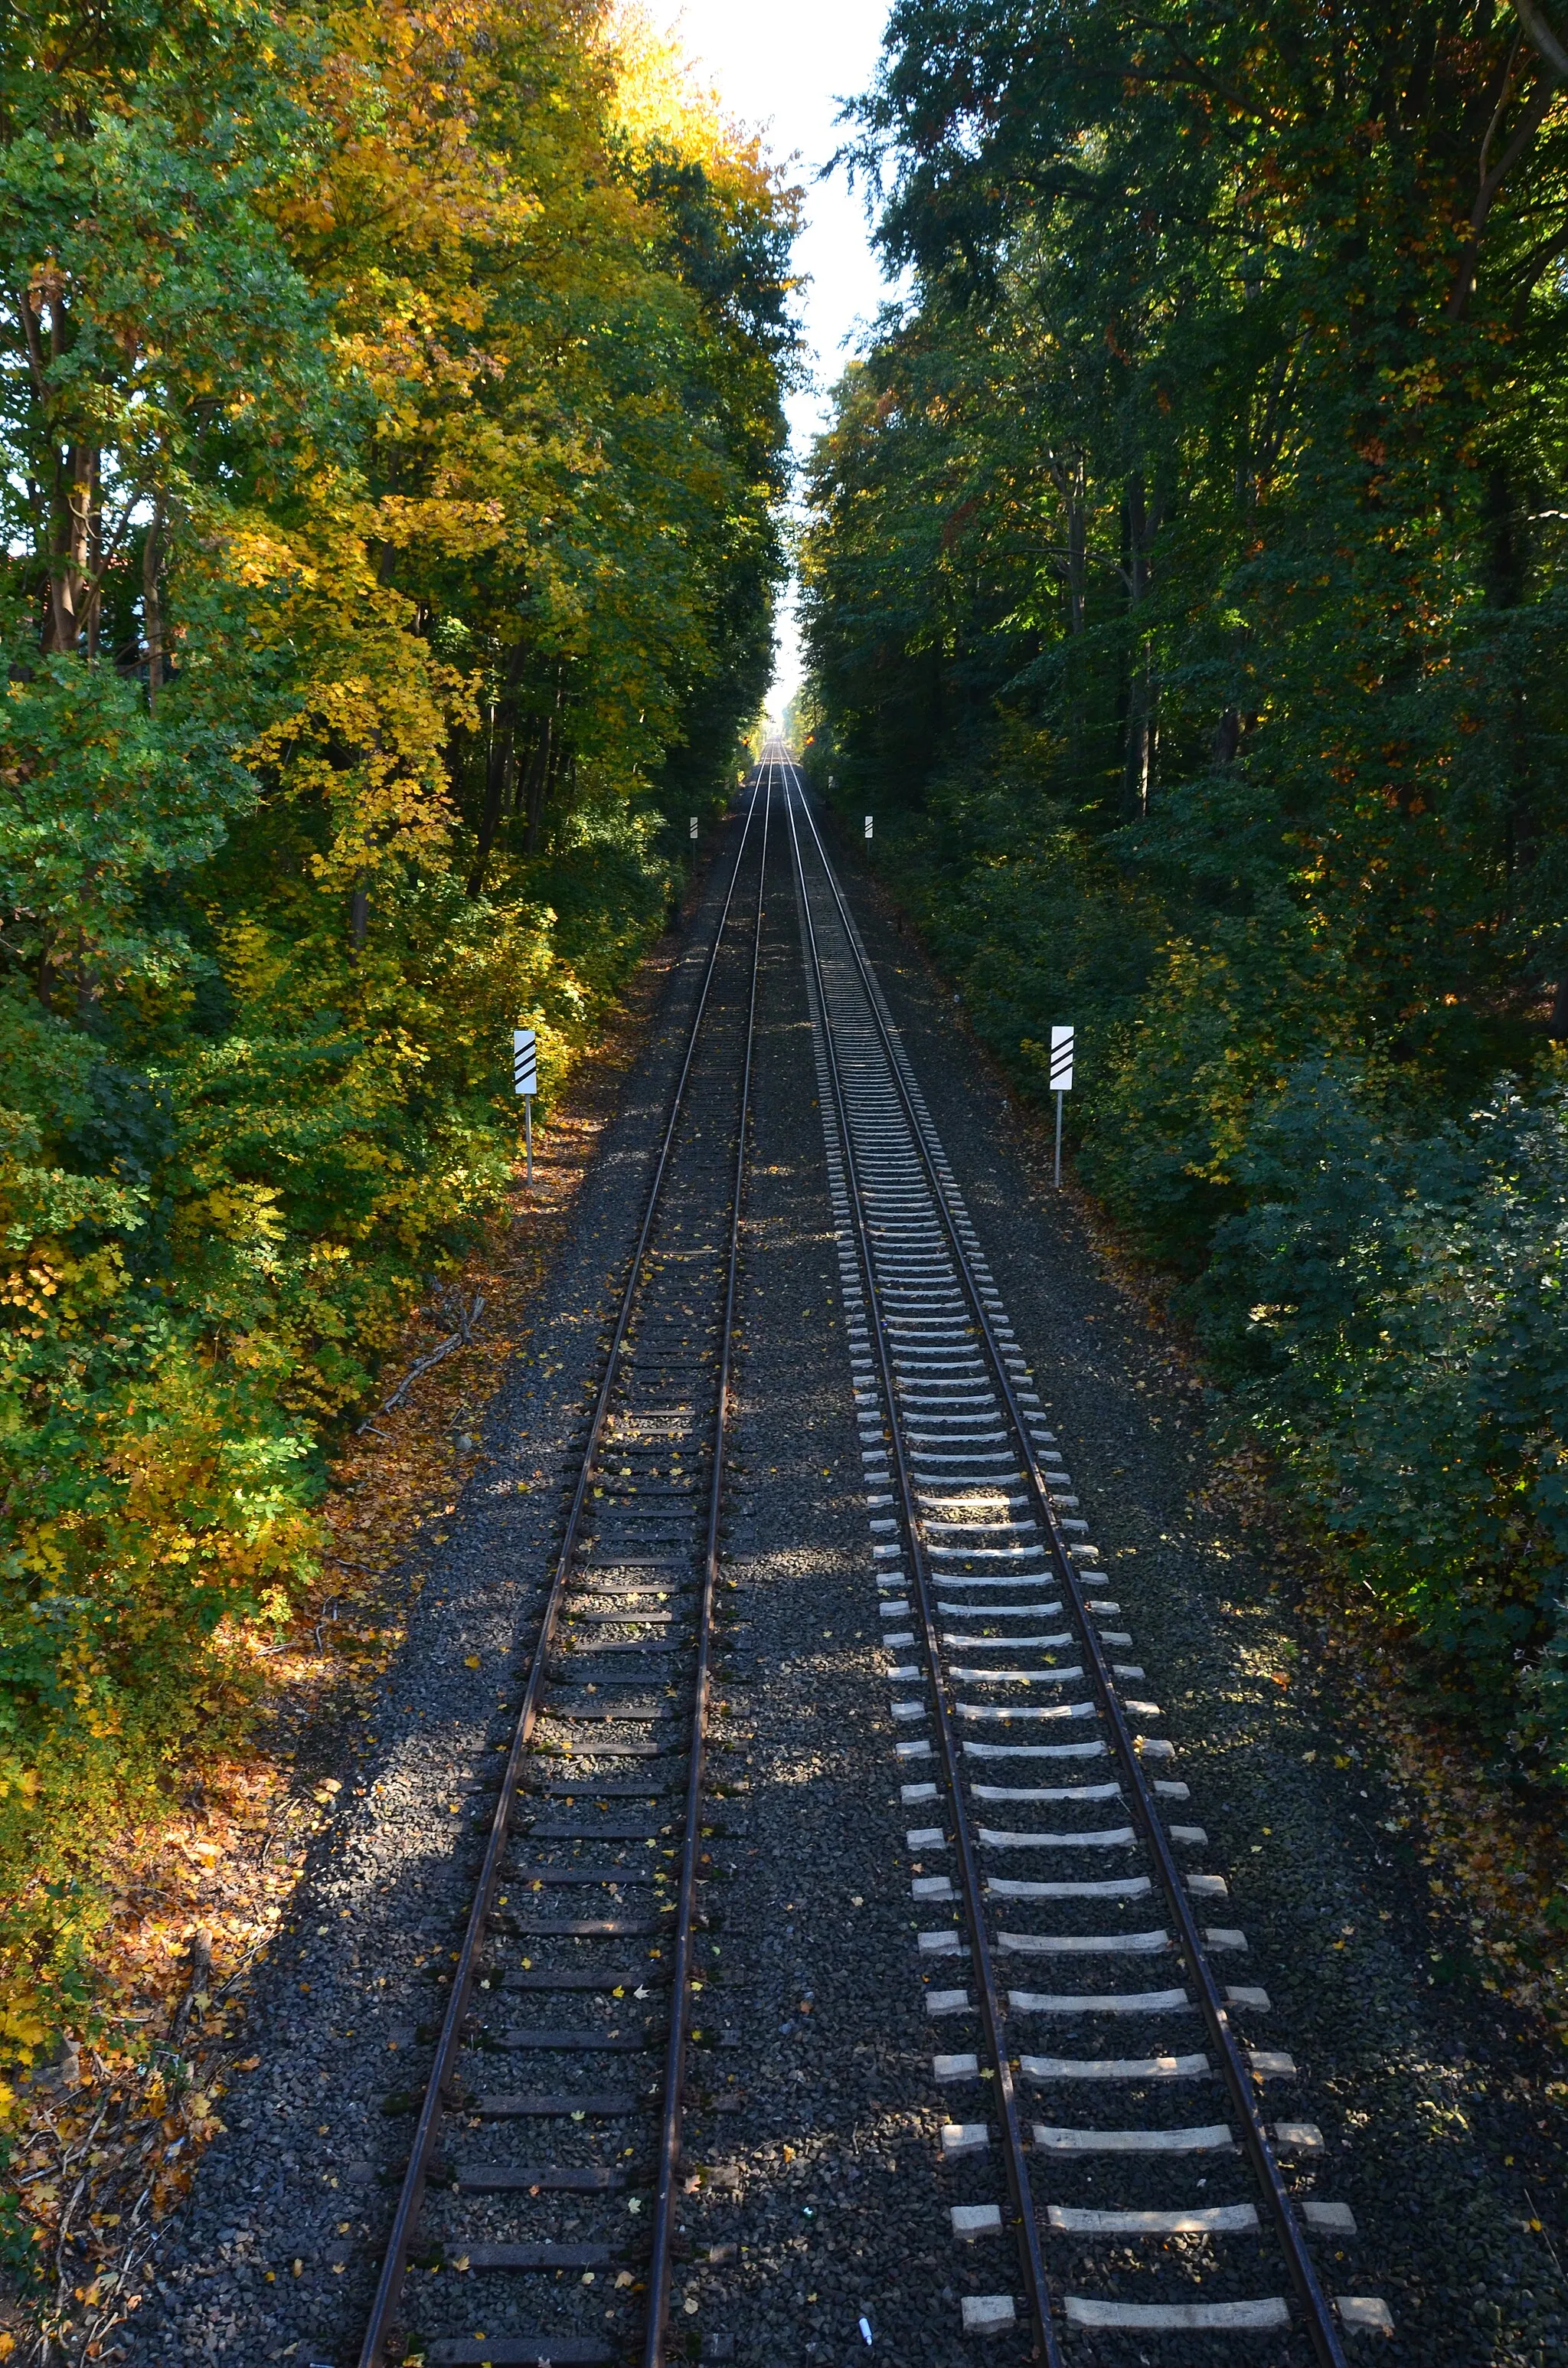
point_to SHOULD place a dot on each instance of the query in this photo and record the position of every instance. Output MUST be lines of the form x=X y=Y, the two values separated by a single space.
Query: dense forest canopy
x=390 y=395
x=1185 y=590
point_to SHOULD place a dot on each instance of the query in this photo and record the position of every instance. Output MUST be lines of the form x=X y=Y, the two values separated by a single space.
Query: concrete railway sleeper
x=1047 y=1822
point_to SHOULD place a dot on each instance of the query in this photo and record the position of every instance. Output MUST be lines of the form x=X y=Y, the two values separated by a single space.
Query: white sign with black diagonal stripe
x=524 y=1061
x=1061 y=1082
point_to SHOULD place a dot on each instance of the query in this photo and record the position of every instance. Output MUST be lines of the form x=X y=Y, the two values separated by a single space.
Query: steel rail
x=656 y=2326
x=380 y=2324
x=1322 y=2330
x=1016 y=2160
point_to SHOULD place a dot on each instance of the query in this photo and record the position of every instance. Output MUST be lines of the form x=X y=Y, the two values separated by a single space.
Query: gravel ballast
x=274 y=2256
x=1438 y=2104
x=817 y=2197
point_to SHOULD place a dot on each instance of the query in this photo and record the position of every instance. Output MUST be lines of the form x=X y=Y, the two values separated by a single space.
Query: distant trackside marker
x=525 y=1081
x=1061 y=1082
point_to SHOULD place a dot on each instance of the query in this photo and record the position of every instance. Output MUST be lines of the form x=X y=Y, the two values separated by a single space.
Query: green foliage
x=391 y=407
x=21 y=2255
x=1410 y=1358
x=1184 y=588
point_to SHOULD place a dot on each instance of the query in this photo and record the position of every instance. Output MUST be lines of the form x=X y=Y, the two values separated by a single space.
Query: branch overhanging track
x=612 y=1725
x=978 y=1524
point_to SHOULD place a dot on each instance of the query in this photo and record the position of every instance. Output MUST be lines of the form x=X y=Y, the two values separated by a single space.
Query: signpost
x=868 y=825
x=694 y=830
x=1061 y=1082
x=525 y=1081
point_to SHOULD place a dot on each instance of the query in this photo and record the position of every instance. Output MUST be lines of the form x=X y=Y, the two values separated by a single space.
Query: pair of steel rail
x=1316 y=2311
x=385 y=2320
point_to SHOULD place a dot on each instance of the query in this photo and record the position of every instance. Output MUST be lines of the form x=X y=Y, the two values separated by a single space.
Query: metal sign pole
x=528 y=1133
x=1062 y=1082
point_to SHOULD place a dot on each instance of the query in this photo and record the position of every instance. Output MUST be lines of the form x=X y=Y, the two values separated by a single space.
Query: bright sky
x=785 y=69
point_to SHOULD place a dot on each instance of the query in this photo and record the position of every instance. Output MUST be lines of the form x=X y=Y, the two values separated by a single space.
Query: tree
x=392 y=405
x=1224 y=420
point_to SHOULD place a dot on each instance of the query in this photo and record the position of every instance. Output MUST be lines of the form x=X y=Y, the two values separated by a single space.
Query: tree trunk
x=1069 y=477
x=503 y=724
x=498 y=767
x=153 y=607
x=70 y=568
x=546 y=768
x=93 y=497
x=1504 y=516
x=1544 y=35
x=1138 y=755
x=537 y=786
x=74 y=474
x=1140 y=525
x=1491 y=180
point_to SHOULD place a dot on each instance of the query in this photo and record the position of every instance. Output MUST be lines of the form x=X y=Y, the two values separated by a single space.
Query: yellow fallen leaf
x=471 y=1662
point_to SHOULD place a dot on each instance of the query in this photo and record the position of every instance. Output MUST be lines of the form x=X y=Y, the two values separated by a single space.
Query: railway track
x=1126 y=2152
x=538 y=2218
x=1106 y=2048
